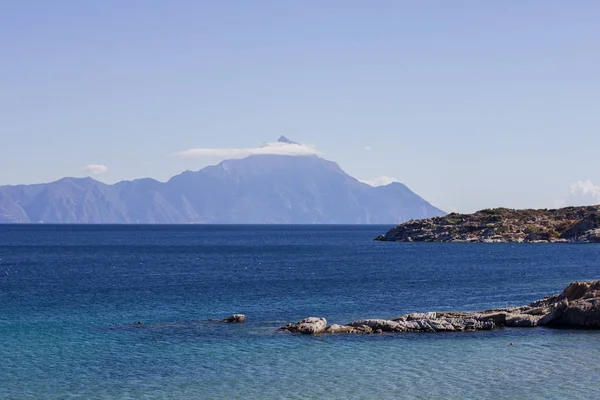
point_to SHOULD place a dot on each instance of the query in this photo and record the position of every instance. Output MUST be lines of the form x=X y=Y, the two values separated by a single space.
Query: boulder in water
x=310 y=326
x=235 y=319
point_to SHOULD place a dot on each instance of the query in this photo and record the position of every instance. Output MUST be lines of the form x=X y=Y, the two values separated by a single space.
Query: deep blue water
x=69 y=296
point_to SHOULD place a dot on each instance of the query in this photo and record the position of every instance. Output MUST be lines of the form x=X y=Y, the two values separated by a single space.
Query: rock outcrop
x=502 y=225
x=310 y=325
x=577 y=306
x=235 y=319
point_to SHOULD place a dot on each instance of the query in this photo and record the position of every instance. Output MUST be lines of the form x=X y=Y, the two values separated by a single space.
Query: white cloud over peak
x=584 y=193
x=95 y=169
x=280 y=148
x=380 y=181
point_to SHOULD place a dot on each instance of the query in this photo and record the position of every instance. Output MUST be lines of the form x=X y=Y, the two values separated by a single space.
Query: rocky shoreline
x=502 y=225
x=578 y=306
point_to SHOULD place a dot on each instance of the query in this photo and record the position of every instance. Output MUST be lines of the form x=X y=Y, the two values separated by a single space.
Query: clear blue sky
x=472 y=104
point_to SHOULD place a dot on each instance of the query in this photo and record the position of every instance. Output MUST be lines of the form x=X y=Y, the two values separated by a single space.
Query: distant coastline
x=503 y=225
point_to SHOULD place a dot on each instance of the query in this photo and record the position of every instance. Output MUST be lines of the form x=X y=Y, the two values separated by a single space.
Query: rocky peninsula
x=503 y=225
x=578 y=306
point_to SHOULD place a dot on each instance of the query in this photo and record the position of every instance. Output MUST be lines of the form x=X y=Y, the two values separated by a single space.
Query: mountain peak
x=283 y=139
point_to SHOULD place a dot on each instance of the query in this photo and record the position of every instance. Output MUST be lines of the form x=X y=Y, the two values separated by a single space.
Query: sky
x=472 y=104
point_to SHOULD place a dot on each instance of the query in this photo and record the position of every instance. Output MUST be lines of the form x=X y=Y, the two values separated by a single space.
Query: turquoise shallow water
x=69 y=296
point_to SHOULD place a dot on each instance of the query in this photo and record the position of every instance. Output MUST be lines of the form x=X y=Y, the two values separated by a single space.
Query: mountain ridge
x=270 y=189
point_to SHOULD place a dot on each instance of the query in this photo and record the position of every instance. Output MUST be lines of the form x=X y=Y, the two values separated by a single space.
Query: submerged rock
x=235 y=319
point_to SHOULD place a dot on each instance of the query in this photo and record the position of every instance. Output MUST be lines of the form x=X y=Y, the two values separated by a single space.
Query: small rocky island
x=503 y=225
x=578 y=306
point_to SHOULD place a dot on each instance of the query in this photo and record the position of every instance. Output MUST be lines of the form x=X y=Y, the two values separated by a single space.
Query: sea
x=71 y=297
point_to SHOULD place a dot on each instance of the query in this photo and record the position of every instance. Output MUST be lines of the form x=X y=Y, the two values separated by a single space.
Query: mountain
x=503 y=225
x=283 y=139
x=269 y=189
